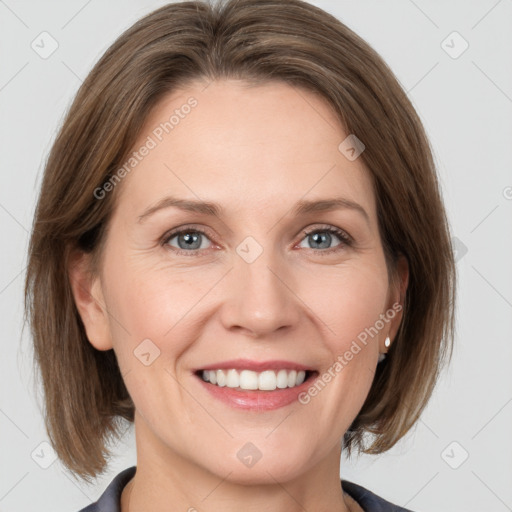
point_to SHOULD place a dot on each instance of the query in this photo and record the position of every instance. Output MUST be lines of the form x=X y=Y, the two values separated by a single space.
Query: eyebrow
x=301 y=208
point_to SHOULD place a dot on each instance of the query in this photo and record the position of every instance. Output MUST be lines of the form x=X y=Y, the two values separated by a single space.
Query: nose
x=260 y=298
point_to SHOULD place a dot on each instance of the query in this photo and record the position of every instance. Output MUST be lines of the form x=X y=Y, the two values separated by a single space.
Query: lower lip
x=256 y=399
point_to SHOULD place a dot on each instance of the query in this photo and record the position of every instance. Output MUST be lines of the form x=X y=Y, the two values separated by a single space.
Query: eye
x=322 y=237
x=186 y=240
x=189 y=240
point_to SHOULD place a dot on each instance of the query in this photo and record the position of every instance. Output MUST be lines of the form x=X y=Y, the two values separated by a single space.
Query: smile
x=267 y=380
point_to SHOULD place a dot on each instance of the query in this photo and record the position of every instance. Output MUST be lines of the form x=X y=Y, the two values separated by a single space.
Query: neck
x=165 y=481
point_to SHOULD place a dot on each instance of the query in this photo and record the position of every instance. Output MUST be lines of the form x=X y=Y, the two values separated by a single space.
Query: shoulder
x=110 y=499
x=369 y=501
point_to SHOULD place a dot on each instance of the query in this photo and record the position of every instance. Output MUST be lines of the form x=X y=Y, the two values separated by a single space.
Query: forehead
x=238 y=144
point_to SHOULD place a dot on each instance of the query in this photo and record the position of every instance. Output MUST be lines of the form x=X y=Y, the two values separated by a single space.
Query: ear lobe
x=89 y=300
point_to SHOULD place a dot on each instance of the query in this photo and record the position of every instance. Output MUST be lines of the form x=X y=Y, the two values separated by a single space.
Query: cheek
x=348 y=300
x=152 y=310
x=149 y=303
x=348 y=304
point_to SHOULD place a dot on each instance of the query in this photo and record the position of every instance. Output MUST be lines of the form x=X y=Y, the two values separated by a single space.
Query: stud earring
x=387 y=343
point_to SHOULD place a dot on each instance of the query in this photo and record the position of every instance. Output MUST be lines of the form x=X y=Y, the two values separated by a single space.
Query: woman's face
x=286 y=272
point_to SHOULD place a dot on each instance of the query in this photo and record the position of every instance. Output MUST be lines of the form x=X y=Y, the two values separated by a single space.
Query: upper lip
x=257 y=366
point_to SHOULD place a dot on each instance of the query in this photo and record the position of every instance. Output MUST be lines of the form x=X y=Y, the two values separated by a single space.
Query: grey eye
x=188 y=240
x=321 y=239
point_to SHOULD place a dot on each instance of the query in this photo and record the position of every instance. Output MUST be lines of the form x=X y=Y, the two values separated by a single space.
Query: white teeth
x=232 y=379
x=221 y=378
x=266 y=380
x=248 y=379
x=282 y=379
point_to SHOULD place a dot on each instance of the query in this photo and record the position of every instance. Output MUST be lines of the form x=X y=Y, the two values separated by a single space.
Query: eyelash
x=345 y=239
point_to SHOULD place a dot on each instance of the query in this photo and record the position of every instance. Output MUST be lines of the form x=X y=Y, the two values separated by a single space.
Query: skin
x=256 y=151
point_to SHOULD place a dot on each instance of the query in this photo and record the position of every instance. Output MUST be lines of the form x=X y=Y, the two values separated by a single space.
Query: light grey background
x=466 y=106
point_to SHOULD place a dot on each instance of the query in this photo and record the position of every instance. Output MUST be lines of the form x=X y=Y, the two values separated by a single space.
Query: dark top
x=109 y=501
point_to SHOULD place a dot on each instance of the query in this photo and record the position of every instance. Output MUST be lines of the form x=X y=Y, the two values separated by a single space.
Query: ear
x=89 y=300
x=397 y=291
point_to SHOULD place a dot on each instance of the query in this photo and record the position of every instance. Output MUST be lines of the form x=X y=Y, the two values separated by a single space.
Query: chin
x=247 y=464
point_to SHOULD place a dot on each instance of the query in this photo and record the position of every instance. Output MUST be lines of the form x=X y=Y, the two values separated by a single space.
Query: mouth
x=250 y=380
x=258 y=386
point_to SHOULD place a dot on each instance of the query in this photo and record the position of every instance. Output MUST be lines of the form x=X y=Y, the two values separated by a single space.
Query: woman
x=239 y=246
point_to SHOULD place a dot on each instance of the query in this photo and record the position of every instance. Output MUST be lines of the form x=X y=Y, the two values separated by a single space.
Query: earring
x=387 y=343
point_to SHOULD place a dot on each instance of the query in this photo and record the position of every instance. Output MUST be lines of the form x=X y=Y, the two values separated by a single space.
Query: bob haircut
x=284 y=40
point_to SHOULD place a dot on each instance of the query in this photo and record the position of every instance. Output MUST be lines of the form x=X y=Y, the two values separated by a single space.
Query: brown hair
x=285 y=40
